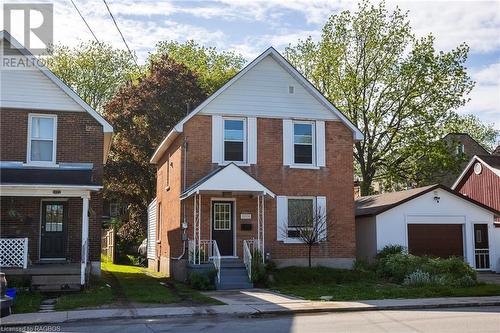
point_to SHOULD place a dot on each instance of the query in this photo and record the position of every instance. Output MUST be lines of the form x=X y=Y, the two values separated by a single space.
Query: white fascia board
x=171 y=136
x=107 y=128
x=469 y=165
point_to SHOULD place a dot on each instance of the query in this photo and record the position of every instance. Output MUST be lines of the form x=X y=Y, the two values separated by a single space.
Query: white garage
x=431 y=220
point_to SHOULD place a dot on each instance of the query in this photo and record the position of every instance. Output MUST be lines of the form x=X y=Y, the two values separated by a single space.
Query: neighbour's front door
x=481 y=246
x=53 y=230
x=222 y=226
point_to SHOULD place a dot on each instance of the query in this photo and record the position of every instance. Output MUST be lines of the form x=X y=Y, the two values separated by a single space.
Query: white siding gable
x=263 y=92
x=31 y=89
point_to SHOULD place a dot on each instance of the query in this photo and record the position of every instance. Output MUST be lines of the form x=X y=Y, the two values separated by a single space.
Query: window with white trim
x=222 y=216
x=42 y=133
x=303 y=143
x=300 y=214
x=234 y=140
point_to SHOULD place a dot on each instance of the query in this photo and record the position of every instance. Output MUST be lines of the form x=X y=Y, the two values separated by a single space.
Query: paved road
x=486 y=319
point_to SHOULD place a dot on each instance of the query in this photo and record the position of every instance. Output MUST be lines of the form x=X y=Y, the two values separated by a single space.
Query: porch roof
x=46 y=176
x=229 y=178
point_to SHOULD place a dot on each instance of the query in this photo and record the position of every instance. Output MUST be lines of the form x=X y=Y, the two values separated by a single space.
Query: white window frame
x=297 y=240
x=313 y=163
x=54 y=140
x=245 y=141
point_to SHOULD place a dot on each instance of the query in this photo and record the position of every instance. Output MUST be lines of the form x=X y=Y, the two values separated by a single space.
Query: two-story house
x=228 y=175
x=52 y=150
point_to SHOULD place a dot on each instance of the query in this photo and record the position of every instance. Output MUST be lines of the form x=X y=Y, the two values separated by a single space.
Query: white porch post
x=197 y=227
x=85 y=236
x=260 y=224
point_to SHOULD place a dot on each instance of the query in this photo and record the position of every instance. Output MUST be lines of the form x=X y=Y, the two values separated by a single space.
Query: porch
x=45 y=234
x=228 y=225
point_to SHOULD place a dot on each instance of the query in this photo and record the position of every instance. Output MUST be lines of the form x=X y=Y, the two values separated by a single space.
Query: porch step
x=55 y=282
x=233 y=275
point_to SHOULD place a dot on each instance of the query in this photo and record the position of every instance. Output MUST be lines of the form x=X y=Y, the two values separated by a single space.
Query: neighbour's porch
x=45 y=234
x=228 y=225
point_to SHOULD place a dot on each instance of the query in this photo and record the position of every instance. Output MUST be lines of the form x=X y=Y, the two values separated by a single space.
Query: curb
x=254 y=312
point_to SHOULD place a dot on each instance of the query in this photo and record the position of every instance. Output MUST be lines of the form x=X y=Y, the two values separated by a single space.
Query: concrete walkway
x=488 y=277
x=248 y=303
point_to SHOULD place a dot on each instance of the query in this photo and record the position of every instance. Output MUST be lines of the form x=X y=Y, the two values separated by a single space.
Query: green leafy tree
x=142 y=114
x=214 y=68
x=485 y=134
x=95 y=71
x=396 y=88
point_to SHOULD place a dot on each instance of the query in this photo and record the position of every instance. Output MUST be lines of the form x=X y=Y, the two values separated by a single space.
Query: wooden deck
x=45 y=269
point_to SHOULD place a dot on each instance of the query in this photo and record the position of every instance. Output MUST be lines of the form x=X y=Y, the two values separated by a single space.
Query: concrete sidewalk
x=248 y=303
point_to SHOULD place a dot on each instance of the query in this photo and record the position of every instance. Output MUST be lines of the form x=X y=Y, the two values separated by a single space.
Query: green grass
x=27 y=301
x=97 y=294
x=346 y=285
x=129 y=284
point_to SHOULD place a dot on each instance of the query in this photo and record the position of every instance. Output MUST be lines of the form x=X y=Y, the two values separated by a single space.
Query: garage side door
x=438 y=240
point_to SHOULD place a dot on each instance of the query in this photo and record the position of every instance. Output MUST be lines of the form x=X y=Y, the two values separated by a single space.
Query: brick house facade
x=52 y=153
x=194 y=174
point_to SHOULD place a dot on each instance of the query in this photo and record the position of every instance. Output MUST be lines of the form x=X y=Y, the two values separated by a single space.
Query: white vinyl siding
x=31 y=89
x=152 y=215
x=252 y=140
x=42 y=139
x=217 y=128
x=263 y=92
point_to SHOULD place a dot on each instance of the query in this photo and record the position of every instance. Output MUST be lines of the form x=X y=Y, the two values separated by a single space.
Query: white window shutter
x=217 y=139
x=287 y=141
x=281 y=217
x=252 y=140
x=321 y=208
x=320 y=143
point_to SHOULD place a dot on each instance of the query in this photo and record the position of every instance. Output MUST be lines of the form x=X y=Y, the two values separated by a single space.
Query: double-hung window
x=303 y=143
x=300 y=215
x=42 y=134
x=234 y=140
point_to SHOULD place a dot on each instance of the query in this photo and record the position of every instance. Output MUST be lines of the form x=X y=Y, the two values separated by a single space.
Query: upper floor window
x=460 y=149
x=303 y=143
x=234 y=140
x=42 y=132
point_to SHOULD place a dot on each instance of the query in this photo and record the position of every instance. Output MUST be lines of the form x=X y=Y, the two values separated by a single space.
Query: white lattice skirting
x=14 y=252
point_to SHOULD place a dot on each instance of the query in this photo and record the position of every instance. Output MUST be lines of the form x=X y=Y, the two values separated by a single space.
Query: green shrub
x=259 y=275
x=396 y=267
x=453 y=267
x=417 y=279
x=202 y=280
x=391 y=249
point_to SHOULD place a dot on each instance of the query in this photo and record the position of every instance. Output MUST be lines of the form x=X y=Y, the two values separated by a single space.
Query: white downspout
x=85 y=237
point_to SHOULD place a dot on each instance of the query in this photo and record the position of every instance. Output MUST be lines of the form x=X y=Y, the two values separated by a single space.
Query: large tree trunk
x=310 y=248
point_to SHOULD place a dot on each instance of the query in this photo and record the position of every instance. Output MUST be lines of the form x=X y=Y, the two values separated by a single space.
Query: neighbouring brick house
x=53 y=148
x=228 y=173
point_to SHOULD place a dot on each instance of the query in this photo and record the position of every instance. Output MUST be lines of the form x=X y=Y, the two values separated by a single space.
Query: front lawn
x=345 y=285
x=119 y=286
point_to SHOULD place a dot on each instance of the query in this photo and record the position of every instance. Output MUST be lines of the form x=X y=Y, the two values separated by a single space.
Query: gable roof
x=492 y=162
x=289 y=68
x=463 y=135
x=376 y=204
x=107 y=128
x=228 y=178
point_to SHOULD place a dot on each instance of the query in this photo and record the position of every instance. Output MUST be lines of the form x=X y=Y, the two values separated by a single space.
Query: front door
x=481 y=246
x=53 y=230
x=222 y=226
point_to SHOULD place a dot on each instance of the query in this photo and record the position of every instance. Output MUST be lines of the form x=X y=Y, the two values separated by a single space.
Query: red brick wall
x=79 y=140
x=335 y=181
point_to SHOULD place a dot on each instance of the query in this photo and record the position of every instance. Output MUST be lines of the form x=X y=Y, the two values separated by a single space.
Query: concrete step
x=232 y=264
x=234 y=278
x=56 y=282
x=234 y=286
x=233 y=271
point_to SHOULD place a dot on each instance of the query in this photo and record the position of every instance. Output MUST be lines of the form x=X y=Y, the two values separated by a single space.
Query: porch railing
x=482 y=257
x=14 y=252
x=207 y=252
x=247 y=258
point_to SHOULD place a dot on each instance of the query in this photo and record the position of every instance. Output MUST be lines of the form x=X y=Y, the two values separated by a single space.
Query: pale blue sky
x=250 y=26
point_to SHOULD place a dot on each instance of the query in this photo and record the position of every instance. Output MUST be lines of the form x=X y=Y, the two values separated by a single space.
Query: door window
x=222 y=216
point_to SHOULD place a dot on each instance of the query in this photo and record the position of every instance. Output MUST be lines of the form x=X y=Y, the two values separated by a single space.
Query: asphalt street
x=484 y=319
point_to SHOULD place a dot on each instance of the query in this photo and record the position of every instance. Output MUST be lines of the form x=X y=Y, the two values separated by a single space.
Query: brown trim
x=440 y=186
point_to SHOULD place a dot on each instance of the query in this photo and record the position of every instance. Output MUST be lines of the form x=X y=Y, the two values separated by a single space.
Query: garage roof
x=375 y=204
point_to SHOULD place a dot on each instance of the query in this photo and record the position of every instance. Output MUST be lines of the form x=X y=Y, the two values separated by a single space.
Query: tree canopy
x=213 y=68
x=95 y=71
x=142 y=114
x=396 y=88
